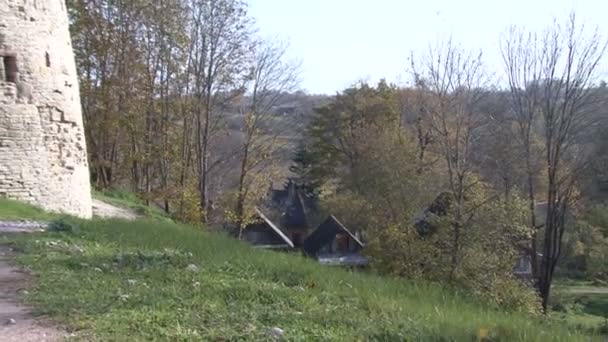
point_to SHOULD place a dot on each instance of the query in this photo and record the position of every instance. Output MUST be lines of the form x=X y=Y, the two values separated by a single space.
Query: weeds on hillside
x=116 y=280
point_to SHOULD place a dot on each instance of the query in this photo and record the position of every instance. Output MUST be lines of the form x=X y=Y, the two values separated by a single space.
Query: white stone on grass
x=192 y=268
x=276 y=333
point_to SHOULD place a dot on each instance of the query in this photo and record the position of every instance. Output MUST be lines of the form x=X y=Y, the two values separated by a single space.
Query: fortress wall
x=43 y=156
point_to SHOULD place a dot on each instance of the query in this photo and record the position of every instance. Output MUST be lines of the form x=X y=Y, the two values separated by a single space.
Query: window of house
x=523 y=265
x=10 y=68
x=342 y=243
x=297 y=239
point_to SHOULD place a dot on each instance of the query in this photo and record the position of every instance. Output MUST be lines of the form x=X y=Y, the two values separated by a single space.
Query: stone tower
x=43 y=157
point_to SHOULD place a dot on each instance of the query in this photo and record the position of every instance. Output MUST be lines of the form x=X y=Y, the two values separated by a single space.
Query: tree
x=340 y=131
x=108 y=60
x=272 y=77
x=129 y=56
x=363 y=162
x=454 y=82
x=416 y=119
x=551 y=78
x=524 y=71
x=302 y=166
x=219 y=55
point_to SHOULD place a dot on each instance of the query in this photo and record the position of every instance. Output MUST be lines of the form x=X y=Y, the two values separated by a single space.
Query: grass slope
x=582 y=303
x=116 y=280
x=14 y=210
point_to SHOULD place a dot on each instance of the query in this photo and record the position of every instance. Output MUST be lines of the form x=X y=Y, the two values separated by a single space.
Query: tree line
x=180 y=103
x=160 y=84
x=515 y=161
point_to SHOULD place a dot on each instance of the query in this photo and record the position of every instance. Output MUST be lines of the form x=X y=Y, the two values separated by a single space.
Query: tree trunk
x=240 y=203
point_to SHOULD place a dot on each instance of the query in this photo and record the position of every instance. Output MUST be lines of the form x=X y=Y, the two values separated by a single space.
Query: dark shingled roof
x=439 y=207
x=293 y=205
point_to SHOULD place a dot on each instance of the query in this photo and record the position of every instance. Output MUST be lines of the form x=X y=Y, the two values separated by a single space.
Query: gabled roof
x=325 y=234
x=347 y=231
x=274 y=228
x=294 y=205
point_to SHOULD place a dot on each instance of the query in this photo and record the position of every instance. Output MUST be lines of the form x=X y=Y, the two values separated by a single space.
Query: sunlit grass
x=117 y=280
x=14 y=210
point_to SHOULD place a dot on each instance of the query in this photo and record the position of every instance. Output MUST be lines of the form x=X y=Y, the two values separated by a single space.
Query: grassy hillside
x=582 y=303
x=117 y=280
x=14 y=210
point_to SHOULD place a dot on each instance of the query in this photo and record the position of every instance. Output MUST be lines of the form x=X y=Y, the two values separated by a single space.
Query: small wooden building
x=265 y=234
x=331 y=242
x=334 y=244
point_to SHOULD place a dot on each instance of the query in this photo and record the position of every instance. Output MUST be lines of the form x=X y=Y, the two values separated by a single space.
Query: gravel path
x=21 y=226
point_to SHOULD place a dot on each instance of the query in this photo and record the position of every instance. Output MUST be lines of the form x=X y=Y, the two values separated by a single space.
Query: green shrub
x=513 y=295
x=585 y=252
x=121 y=194
x=63 y=225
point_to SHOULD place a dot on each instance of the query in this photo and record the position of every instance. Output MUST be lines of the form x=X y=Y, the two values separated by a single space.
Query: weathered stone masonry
x=43 y=158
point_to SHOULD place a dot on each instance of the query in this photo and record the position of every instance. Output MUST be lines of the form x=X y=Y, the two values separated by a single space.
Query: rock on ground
x=276 y=333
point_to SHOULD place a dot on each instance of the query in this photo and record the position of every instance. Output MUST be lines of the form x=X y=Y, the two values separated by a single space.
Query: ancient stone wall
x=43 y=157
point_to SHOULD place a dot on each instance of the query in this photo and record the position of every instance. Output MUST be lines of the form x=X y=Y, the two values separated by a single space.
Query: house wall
x=341 y=244
x=43 y=157
x=297 y=235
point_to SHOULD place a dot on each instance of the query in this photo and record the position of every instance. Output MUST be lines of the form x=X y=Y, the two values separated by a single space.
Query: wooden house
x=265 y=234
x=331 y=242
x=334 y=244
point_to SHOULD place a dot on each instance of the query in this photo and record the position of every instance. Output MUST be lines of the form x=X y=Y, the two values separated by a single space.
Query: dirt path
x=582 y=289
x=105 y=210
x=16 y=322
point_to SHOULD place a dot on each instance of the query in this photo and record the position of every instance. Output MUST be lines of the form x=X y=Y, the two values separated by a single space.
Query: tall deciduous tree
x=272 y=77
x=552 y=79
x=219 y=59
x=454 y=82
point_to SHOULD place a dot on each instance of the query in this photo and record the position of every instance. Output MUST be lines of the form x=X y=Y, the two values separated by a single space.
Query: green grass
x=117 y=280
x=583 y=304
x=14 y=210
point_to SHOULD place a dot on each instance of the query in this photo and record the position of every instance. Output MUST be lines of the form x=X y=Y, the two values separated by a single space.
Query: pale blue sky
x=342 y=41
